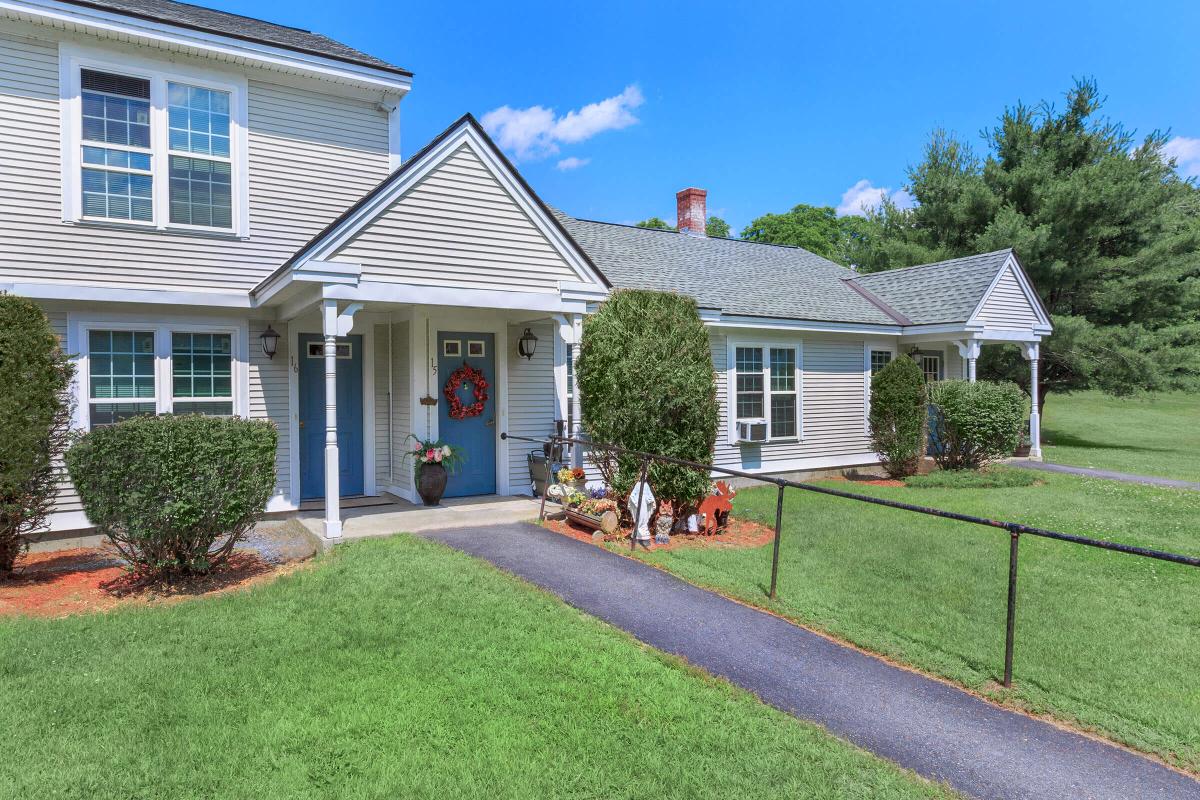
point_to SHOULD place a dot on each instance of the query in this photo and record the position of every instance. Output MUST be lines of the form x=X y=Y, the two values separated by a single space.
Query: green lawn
x=1157 y=434
x=1111 y=641
x=394 y=668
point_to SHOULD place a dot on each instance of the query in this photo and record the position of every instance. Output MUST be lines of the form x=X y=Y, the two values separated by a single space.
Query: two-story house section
x=214 y=213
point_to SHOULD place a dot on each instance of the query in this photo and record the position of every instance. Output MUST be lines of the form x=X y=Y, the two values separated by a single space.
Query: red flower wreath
x=466 y=374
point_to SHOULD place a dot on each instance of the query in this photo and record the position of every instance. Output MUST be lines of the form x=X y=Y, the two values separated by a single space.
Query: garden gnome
x=641 y=511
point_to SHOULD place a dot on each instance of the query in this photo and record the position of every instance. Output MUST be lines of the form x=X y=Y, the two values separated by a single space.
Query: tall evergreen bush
x=897 y=419
x=35 y=419
x=646 y=383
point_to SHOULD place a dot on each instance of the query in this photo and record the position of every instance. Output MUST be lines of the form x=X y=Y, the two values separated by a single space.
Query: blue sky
x=765 y=105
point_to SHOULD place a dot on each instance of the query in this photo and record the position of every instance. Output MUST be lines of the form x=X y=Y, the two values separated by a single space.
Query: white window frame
x=73 y=59
x=79 y=331
x=731 y=373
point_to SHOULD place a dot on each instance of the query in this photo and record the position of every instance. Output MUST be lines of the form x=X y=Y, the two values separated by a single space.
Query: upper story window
x=153 y=149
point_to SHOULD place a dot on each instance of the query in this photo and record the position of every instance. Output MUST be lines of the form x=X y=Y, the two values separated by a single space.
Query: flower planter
x=606 y=522
x=431 y=483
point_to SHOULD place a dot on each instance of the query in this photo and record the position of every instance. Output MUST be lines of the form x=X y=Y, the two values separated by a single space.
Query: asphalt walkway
x=1127 y=477
x=930 y=727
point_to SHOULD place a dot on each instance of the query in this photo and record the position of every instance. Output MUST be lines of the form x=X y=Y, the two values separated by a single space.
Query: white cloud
x=1186 y=152
x=536 y=132
x=571 y=162
x=863 y=196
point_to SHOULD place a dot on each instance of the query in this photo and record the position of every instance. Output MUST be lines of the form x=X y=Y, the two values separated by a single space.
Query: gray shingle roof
x=946 y=291
x=732 y=276
x=234 y=25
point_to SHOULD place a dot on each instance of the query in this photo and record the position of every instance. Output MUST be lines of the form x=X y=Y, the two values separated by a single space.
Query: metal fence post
x=549 y=480
x=778 y=531
x=1014 y=541
x=638 y=514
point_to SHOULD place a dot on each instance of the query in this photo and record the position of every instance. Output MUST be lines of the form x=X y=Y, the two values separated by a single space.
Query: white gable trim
x=413 y=173
x=1014 y=266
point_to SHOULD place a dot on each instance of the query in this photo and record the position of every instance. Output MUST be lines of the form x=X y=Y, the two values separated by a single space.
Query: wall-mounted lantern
x=527 y=344
x=270 y=341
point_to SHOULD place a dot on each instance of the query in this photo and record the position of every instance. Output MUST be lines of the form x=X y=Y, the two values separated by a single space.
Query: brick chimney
x=690 y=212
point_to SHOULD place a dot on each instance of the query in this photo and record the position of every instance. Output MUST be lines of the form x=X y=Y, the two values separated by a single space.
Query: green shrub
x=175 y=493
x=975 y=423
x=646 y=382
x=990 y=478
x=898 y=416
x=35 y=420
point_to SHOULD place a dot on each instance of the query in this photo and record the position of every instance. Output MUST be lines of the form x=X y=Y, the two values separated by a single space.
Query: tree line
x=1107 y=230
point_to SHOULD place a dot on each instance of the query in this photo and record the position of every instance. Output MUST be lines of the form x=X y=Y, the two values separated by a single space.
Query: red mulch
x=739 y=533
x=868 y=481
x=91 y=579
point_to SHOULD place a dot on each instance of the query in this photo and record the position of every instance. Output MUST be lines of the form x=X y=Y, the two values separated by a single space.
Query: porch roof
x=944 y=291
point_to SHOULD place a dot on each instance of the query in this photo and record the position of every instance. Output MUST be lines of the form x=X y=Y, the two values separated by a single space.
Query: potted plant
x=593 y=509
x=573 y=478
x=434 y=460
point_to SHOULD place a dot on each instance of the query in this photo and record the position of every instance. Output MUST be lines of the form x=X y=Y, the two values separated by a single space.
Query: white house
x=213 y=211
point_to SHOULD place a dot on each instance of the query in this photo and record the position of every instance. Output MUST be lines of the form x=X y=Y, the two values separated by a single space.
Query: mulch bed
x=868 y=481
x=62 y=582
x=739 y=533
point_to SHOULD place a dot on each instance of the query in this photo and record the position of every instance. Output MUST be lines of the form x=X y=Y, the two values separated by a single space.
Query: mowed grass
x=393 y=668
x=1106 y=640
x=1156 y=434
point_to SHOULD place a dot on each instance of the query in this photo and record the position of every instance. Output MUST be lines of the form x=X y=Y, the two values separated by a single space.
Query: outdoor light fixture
x=270 y=341
x=527 y=344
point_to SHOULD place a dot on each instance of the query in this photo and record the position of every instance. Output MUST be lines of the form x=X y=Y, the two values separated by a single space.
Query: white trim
x=79 y=324
x=106 y=294
x=119 y=27
x=73 y=58
x=447 y=296
x=466 y=134
x=716 y=319
x=766 y=345
x=1014 y=265
x=813 y=462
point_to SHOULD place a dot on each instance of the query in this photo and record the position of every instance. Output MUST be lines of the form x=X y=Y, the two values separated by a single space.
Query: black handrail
x=1014 y=529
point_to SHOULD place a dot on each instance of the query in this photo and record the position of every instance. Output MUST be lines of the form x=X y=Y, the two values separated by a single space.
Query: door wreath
x=466 y=374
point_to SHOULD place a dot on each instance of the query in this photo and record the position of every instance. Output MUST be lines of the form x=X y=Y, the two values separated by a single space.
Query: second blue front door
x=312 y=415
x=476 y=434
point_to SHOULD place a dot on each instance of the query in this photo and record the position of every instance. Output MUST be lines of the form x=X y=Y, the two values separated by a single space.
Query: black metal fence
x=1015 y=530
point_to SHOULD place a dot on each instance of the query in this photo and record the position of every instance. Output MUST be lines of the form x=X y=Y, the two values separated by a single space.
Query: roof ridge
x=932 y=263
x=713 y=238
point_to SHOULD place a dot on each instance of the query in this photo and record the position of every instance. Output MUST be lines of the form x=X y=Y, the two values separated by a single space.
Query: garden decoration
x=641 y=511
x=434 y=460
x=714 y=510
x=466 y=374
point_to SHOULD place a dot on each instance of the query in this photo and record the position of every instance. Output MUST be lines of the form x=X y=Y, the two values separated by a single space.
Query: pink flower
x=437 y=456
x=417 y=447
x=429 y=454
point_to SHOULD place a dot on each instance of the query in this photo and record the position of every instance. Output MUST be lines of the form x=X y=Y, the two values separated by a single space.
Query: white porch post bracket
x=333 y=325
x=1031 y=352
x=969 y=350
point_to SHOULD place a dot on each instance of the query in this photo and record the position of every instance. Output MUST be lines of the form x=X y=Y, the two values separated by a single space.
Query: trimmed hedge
x=175 y=493
x=646 y=382
x=975 y=423
x=898 y=417
x=35 y=420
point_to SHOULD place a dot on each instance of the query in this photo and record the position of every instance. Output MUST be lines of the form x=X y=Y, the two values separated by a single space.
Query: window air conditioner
x=754 y=430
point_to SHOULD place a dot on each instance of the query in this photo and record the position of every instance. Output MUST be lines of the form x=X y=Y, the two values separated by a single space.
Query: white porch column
x=969 y=350
x=576 y=409
x=333 y=518
x=1035 y=423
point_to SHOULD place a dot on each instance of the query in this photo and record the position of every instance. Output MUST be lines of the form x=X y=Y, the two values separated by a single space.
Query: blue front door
x=312 y=415
x=476 y=435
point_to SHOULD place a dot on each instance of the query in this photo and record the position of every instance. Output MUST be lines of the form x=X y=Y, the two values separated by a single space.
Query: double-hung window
x=153 y=148
x=767 y=387
x=140 y=370
x=879 y=360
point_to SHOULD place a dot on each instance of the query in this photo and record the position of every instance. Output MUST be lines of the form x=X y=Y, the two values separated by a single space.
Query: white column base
x=333 y=529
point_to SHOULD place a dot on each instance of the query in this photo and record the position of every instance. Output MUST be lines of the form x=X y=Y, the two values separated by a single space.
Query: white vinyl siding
x=832 y=413
x=67 y=499
x=458 y=227
x=310 y=156
x=269 y=378
x=1007 y=307
x=531 y=401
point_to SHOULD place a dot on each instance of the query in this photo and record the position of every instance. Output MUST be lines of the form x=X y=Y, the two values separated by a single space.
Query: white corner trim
x=117 y=26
